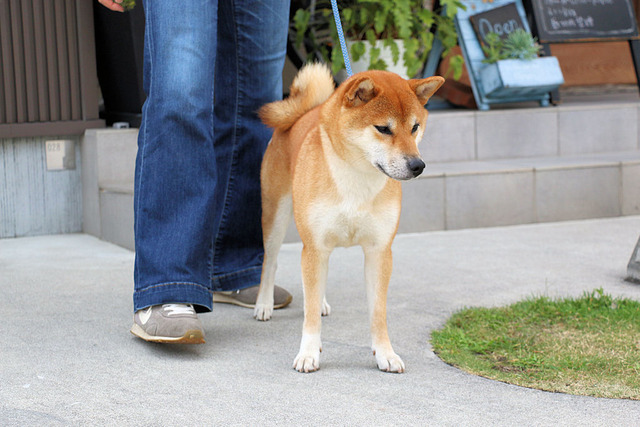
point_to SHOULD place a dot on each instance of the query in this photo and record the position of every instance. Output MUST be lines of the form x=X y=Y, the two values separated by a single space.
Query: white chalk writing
x=500 y=28
x=586 y=18
x=577 y=2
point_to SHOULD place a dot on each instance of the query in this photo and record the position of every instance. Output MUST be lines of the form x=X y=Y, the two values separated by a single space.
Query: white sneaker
x=168 y=323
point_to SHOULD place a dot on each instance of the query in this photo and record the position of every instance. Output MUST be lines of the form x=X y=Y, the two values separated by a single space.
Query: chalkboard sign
x=574 y=20
x=501 y=20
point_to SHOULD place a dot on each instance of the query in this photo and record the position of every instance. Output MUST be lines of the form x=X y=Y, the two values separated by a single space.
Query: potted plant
x=385 y=33
x=514 y=65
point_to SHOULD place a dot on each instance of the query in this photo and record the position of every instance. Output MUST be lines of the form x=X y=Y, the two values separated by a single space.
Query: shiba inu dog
x=335 y=162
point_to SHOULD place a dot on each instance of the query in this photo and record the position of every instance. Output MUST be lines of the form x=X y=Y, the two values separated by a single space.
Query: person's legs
x=197 y=203
x=250 y=56
x=176 y=173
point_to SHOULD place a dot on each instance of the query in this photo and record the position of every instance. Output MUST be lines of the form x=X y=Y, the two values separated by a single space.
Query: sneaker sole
x=193 y=336
x=221 y=298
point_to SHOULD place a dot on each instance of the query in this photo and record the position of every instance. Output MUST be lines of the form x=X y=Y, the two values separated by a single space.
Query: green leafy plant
x=519 y=44
x=368 y=21
x=128 y=4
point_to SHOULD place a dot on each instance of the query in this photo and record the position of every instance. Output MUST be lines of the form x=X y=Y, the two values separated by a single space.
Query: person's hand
x=112 y=4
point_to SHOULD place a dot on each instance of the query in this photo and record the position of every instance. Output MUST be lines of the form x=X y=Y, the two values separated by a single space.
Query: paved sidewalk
x=67 y=358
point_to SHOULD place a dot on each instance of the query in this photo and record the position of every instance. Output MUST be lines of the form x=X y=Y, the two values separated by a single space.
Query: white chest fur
x=357 y=214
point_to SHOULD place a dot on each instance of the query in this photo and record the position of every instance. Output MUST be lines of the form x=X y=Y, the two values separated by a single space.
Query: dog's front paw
x=307 y=362
x=389 y=362
x=263 y=312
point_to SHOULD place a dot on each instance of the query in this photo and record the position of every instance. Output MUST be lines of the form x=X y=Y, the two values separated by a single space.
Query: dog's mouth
x=379 y=166
x=399 y=177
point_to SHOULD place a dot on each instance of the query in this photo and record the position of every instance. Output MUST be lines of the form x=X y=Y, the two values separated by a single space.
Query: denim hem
x=174 y=292
x=237 y=280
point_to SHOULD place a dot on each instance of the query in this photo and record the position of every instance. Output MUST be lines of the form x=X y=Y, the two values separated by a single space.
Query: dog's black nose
x=416 y=165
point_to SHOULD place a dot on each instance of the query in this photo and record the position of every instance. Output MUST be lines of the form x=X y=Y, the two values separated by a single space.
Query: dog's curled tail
x=312 y=86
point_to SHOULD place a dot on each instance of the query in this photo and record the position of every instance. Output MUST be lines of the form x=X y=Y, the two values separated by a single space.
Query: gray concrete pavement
x=67 y=358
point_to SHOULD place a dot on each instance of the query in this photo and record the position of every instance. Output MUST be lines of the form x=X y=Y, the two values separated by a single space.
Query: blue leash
x=343 y=44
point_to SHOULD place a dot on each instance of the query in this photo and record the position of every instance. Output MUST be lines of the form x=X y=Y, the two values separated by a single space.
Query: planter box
x=511 y=78
x=362 y=64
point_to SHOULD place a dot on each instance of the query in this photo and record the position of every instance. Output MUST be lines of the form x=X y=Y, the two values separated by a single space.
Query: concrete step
x=500 y=167
x=108 y=157
x=520 y=191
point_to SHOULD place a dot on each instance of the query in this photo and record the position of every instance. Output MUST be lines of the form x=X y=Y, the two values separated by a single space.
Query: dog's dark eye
x=415 y=128
x=385 y=130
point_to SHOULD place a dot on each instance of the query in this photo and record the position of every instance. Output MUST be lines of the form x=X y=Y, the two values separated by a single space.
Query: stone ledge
x=519 y=165
x=575 y=129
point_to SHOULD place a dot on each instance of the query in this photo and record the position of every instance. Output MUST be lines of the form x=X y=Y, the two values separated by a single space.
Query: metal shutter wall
x=47 y=61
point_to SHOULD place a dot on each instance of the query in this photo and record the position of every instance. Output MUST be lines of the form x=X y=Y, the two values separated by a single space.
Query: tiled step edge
x=521 y=191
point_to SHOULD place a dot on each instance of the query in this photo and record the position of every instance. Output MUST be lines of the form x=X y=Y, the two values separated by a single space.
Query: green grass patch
x=586 y=346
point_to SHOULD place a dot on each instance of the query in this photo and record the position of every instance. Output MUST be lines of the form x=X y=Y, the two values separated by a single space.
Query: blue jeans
x=209 y=66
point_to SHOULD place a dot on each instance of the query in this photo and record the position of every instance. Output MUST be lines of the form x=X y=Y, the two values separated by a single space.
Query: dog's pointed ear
x=425 y=88
x=361 y=91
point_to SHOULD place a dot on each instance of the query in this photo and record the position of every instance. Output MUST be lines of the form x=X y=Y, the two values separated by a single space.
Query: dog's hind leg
x=326 y=308
x=277 y=209
x=276 y=217
x=378 y=266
